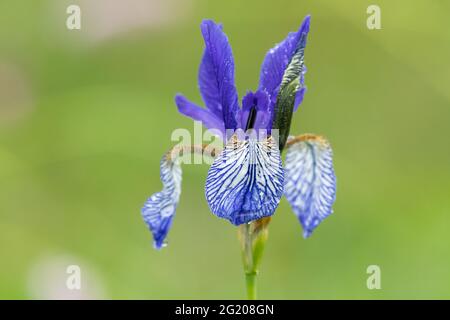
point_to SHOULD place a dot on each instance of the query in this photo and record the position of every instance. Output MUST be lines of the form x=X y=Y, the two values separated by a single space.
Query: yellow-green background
x=83 y=154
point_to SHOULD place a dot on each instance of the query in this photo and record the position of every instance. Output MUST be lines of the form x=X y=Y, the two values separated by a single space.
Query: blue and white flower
x=247 y=180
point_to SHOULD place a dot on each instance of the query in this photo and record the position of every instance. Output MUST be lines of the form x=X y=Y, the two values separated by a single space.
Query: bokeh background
x=86 y=115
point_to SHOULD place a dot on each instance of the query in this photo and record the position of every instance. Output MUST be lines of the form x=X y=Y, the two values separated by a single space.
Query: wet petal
x=216 y=75
x=289 y=93
x=159 y=209
x=310 y=182
x=279 y=58
x=245 y=182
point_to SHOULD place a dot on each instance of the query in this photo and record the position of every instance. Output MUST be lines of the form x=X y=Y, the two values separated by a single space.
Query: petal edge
x=310 y=181
x=159 y=210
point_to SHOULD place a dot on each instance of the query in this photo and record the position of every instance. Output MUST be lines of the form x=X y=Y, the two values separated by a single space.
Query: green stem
x=250 y=279
x=253 y=237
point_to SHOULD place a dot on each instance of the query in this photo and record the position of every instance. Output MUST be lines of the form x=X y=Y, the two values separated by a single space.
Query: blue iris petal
x=278 y=59
x=159 y=209
x=245 y=182
x=216 y=74
x=310 y=182
x=216 y=82
x=208 y=119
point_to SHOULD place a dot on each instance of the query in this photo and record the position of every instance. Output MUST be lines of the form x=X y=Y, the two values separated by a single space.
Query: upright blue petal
x=310 y=182
x=208 y=85
x=278 y=59
x=159 y=209
x=216 y=75
x=245 y=182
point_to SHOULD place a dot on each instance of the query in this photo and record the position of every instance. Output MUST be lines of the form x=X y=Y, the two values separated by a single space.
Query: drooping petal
x=260 y=101
x=278 y=58
x=216 y=75
x=245 y=182
x=159 y=209
x=310 y=182
x=209 y=120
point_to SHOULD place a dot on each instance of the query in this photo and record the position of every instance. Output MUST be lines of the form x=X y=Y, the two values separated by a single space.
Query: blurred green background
x=86 y=115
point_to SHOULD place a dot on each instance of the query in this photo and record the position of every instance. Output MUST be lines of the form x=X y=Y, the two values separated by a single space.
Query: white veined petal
x=159 y=209
x=245 y=182
x=310 y=182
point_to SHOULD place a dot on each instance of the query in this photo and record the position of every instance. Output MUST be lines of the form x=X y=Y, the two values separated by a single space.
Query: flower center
x=251 y=118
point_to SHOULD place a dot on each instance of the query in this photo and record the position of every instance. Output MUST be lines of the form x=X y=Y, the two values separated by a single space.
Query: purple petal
x=195 y=112
x=260 y=100
x=208 y=85
x=216 y=75
x=278 y=58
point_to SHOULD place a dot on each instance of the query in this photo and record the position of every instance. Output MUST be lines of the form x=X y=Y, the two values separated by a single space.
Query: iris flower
x=247 y=179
